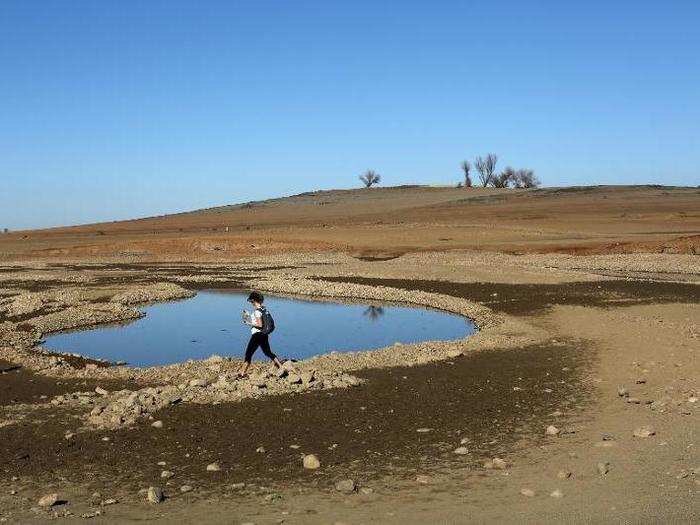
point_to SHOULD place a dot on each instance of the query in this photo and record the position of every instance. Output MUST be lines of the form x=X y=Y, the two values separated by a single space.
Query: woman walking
x=261 y=326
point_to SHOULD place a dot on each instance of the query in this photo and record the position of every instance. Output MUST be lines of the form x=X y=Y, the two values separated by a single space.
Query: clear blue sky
x=113 y=110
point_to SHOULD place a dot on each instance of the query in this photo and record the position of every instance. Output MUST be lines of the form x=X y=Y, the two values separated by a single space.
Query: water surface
x=210 y=323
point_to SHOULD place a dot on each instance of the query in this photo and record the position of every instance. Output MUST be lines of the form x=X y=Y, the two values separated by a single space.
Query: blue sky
x=112 y=110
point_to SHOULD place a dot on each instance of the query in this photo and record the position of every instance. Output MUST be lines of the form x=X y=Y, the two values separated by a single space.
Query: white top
x=256 y=315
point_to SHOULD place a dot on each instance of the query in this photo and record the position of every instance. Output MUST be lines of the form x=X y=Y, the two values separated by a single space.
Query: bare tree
x=369 y=178
x=503 y=179
x=466 y=168
x=524 y=178
x=486 y=168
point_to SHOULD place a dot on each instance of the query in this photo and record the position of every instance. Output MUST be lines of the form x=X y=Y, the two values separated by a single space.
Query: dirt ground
x=392 y=221
x=588 y=305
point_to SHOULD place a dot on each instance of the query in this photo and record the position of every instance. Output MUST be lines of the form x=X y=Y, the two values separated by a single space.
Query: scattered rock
x=109 y=501
x=564 y=474
x=551 y=430
x=461 y=451
x=49 y=500
x=260 y=450
x=424 y=430
x=644 y=432
x=623 y=392
x=496 y=464
x=167 y=474
x=101 y=391
x=346 y=486
x=311 y=462
x=198 y=382
x=186 y=488
x=603 y=468
x=423 y=479
x=557 y=493
x=213 y=467
x=155 y=495
x=157 y=424
x=527 y=492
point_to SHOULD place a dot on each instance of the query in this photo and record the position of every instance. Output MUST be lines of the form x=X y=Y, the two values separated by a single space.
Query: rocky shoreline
x=213 y=380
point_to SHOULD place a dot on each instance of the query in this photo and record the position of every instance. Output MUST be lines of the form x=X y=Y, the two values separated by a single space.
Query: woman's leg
x=253 y=344
x=265 y=345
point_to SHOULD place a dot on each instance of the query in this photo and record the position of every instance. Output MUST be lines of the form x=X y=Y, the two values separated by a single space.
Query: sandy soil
x=602 y=346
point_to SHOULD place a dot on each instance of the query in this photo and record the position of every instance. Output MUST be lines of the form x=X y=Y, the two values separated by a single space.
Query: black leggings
x=258 y=340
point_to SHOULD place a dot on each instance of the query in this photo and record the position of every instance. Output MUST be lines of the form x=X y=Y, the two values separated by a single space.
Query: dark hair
x=256 y=296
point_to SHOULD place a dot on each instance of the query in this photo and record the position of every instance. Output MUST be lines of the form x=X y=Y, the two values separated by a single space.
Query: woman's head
x=256 y=298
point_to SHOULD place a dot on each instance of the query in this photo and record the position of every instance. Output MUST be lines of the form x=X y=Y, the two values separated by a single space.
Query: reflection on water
x=373 y=312
x=210 y=323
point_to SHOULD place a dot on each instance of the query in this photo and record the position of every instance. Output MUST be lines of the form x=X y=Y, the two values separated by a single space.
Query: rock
x=281 y=372
x=496 y=464
x=167 y=474
x=603 y=468
x=423 y=430
x=214 y=359
x=564 y=474
x=157 y=424
x=692 y=399
x=527 y=492
x=91 y=366
x=237 y=486
x=186 y=488
x=641 y=381
x=551 y=430
x=461 y=451
x=109 y=501
x=346 y=486
x=464 y=441
x=101 y=391
x=423 y=479
x=308 y=377
x=213 y=467
x=557 y=493
x=633 y=400
x=644 y=432
x=311 y=462
x=452 y=354
x=49 y=500
x=198 y=382
x=605 y=436
x=366 y=490
x=155 y=495
x=288 y=366
x=623 y=392
x=293 y=379
x=260 y=450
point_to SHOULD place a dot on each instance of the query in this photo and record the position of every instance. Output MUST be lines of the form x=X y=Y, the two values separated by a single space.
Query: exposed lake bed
x=391 y=418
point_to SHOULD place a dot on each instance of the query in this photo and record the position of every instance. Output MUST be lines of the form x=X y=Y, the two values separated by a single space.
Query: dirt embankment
x=392 y=221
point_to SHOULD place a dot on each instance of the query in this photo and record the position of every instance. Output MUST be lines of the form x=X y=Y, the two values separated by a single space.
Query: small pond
x=210 y=323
